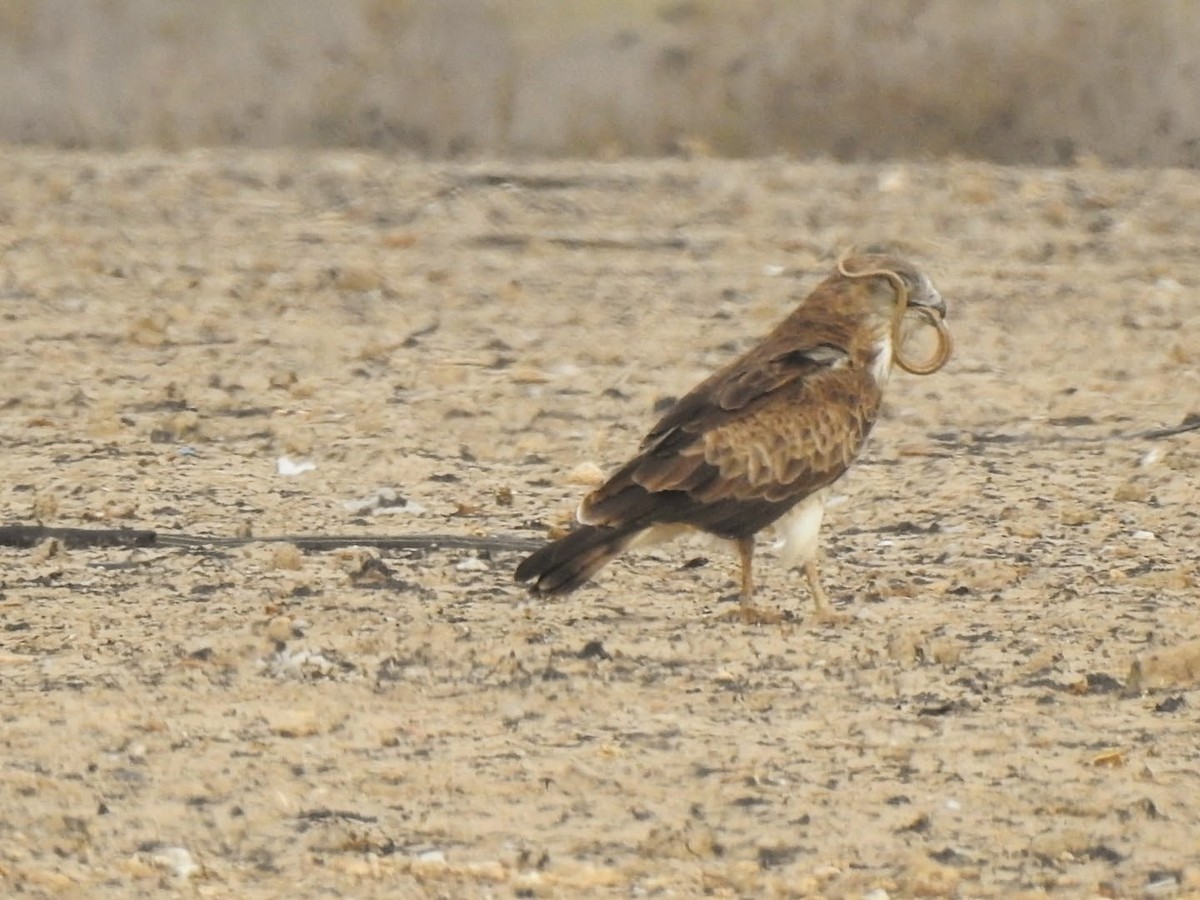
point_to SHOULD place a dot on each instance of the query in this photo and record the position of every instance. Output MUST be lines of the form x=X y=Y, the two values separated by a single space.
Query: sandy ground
x=1011 y=707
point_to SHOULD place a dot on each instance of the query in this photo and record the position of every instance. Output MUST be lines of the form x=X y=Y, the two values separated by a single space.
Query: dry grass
x=1006 y=80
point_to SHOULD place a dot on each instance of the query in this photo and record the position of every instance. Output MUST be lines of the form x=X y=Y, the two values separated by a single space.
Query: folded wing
x=747 y=444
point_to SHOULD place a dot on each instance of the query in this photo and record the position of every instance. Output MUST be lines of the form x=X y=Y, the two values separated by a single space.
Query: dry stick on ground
x=1191 y=422
x=32 y=535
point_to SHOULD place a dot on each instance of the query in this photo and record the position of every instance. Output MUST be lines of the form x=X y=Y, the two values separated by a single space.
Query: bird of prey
x=760 y=441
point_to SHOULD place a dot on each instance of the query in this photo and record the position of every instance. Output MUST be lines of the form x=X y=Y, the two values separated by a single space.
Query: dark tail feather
x=570 y=561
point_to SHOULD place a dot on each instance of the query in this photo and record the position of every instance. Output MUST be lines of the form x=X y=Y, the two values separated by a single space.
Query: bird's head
x=893 y=282
x=889 y=288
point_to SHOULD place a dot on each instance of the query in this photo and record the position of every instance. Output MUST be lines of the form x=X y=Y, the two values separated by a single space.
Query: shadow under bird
x=759 y=442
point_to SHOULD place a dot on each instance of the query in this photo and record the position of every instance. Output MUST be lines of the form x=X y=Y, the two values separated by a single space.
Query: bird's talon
x=827 y=615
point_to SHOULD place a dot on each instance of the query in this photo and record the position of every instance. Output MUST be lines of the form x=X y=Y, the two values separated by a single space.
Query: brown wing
x=747 y=444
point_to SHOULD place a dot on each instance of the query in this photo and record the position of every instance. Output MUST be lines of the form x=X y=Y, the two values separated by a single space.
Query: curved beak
x=927 y=296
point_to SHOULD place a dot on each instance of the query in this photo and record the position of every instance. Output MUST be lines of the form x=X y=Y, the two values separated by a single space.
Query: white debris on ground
x=288 y=467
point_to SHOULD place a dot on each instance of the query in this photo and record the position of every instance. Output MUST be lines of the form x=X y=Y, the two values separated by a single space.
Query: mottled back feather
x=780 y=422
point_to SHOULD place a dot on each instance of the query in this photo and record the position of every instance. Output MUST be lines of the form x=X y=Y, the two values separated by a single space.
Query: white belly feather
x=799 y=530
x=881 y=368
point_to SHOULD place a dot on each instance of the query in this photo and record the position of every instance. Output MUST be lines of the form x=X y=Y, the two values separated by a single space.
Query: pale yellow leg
x=749 y=613
x=745 y=547
x=824 y=608
x=801 y=531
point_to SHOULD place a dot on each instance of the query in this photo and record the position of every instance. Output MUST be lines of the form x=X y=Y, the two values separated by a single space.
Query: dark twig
x=32 y=535
x=1191 y=422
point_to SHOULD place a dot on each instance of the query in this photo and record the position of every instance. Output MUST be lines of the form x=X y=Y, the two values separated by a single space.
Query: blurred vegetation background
x=1015 y=81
